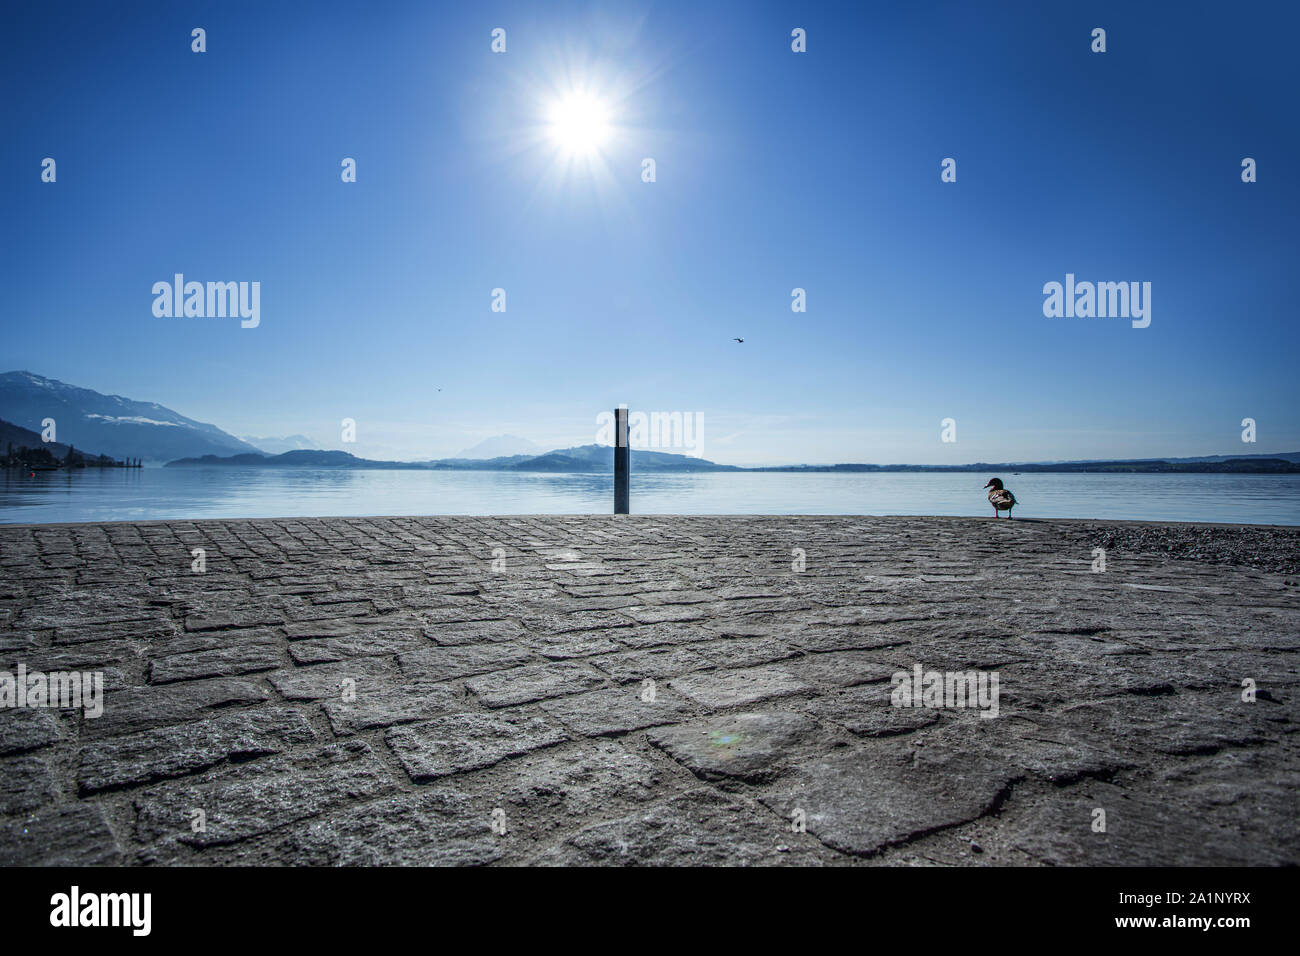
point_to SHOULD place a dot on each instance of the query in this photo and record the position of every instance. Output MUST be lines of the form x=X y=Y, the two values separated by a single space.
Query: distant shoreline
x=598 y=460
x=1267 y=467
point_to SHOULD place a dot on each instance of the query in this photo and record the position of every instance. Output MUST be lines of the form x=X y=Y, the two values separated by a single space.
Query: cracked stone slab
x=70 y=835
x=369 y=642
x=819 y=637
x=155 y=628
x=1028 y=743
x=90 y=655
x=26 y=783
x=620 y=710
x=75 y=610
x=738 y=688
x=1225 y=801
x=1179 y=724
x=866 y=710
x=320 y=629
x=602 y=602
x=659 y=635
x=433 y=617
x=560 y=786
x=445 y=663
x=698 y=828
x=842 y=668
x=238 y=657
x=755 y=748
x=560 y=623
x=871 y=797
x=325 y=612
x=26 y=729
x=430 y=828
x=469 y=741
x=1070 y=679
x=233 y=618
x=558 y=647
x=733 y=652
x=861 y=617
x=665 y=613
x=16 y=641
x=183 y=749
x=752 y=626
x=678 y=597
x=474 y=632
x=522 y=685
x=383 y=706
x=329 y=681
x=258 y=798
x=131 y=709
x=654 y=664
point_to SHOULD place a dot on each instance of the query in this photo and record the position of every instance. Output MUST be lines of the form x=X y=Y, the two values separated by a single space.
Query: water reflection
x=172 y=493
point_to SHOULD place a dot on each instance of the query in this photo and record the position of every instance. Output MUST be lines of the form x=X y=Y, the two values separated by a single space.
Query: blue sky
x=775 y=170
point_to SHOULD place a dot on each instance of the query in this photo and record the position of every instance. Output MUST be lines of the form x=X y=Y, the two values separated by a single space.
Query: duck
x=1000 y=498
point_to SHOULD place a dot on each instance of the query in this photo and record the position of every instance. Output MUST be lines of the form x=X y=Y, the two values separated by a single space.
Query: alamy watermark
x=935 y=689
x=75 y=908
x=680 y=430
x=1102 y=300
x=62 y=690
x=215 y=300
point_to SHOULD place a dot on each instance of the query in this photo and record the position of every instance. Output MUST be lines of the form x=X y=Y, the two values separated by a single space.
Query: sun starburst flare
x=578 y=124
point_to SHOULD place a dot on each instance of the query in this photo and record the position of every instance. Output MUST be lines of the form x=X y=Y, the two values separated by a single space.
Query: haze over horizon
x=495 y=446
x=775 y=171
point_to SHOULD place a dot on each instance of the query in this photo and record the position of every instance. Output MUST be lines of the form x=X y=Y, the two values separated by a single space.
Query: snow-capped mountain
x=110 y=424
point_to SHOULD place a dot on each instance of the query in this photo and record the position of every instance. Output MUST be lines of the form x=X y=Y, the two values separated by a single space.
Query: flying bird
x=740 y=340
x=1000 y=498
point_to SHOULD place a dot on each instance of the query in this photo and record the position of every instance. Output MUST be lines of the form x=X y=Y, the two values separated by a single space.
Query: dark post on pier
x=621 y=461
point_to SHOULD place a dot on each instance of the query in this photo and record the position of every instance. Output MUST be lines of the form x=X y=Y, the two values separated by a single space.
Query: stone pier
x=652 y=691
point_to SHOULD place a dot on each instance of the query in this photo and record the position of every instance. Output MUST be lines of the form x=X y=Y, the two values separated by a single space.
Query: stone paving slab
x=652 y=691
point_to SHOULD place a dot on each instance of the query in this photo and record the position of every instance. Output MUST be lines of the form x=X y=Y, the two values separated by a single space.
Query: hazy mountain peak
x=501 y=446
x=275 y=446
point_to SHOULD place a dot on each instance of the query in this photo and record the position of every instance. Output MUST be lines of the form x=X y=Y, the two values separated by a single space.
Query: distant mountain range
x=585 y=458
x=277 y=446
x=124 y=428
x=599 y=459
x=498 y=446
x=110 y=424
x=501 y=446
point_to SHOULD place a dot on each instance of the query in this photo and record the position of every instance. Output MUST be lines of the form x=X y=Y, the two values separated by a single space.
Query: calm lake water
x=153 y=493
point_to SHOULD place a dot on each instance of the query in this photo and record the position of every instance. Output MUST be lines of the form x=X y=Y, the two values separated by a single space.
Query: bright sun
x=578 y=124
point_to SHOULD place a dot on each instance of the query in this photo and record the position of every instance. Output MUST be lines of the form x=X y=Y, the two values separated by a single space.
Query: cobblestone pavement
x=400 y=690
